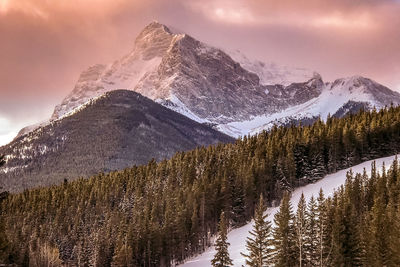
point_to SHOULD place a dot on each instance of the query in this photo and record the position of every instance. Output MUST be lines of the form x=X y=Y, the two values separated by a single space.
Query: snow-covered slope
x=237 y=237
x=336 y=99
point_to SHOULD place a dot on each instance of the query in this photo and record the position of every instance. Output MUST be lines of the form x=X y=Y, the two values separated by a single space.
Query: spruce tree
x=284 y=235
x=238 y=205
x=300 y=228
x=311 y=236
x=322 y=231
x=338 y=232
x=221 y=257
x=260 y=253
x=123 y=256
x=380 y=233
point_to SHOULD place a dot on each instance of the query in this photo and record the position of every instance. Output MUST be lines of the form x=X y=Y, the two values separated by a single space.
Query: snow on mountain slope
x=193 y=77
x=237 y=237
x=333 y=97
x=272 y=73
x=238 y=95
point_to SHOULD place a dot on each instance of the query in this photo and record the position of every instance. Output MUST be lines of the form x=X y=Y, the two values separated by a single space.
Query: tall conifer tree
x=300 y=228
x=260 y=253
x=322 y=231
x=284 y=235
x=221 y=257
x=311 y=236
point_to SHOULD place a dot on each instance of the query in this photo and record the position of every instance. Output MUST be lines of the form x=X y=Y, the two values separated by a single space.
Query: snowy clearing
x=237 y=237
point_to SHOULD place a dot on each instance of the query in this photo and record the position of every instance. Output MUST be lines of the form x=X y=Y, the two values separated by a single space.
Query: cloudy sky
x=45 y=44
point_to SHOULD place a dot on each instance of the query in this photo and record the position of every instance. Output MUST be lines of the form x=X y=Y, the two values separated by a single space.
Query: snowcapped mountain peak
x=154 y=40
x=153 y=27
x=200 y=78
x=361 y=89
x=226 y=89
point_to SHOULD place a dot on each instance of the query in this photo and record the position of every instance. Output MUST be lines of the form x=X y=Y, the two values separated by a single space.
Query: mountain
x=225 y=89
x=343 y=96
x=195 y=79
x=114 y=131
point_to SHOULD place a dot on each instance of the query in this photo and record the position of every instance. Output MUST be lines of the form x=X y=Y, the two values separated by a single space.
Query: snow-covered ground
x=237 y=237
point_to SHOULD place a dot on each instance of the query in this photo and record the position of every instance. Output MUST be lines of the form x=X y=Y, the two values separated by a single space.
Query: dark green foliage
x=259 y=243
x=343 y=230
x=221 y=257
x=311 y=243
x=284 y=235
x=116 y=131
x=162 y=213
x=300 y=227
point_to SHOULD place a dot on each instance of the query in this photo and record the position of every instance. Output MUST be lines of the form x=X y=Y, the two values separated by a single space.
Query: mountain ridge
x=114 y=131
x=225 y=89
x=189 y=72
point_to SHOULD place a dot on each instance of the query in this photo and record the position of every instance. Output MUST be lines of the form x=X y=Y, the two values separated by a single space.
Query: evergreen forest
x=161 y=213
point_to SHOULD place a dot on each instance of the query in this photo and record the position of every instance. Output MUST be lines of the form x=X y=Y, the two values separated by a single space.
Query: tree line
x=160 y=214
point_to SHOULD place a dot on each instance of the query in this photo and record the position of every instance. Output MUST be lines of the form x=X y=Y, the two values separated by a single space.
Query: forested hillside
x=115 y=131
x=162 y=213
x=358 y=226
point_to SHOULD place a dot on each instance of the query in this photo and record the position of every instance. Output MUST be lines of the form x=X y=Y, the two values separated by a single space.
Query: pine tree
x=221 y=257
x=311 y=236
x=123 y=255
x=284 y=235
x=260 y=253
x=238 y=205
x=300 y=228
x=322 y=233
x=338 y=231
x=380 y=233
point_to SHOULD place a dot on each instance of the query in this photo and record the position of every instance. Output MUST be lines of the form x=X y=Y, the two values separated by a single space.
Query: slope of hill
x=161 y=214
x=237 y=237
x=111 y=132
